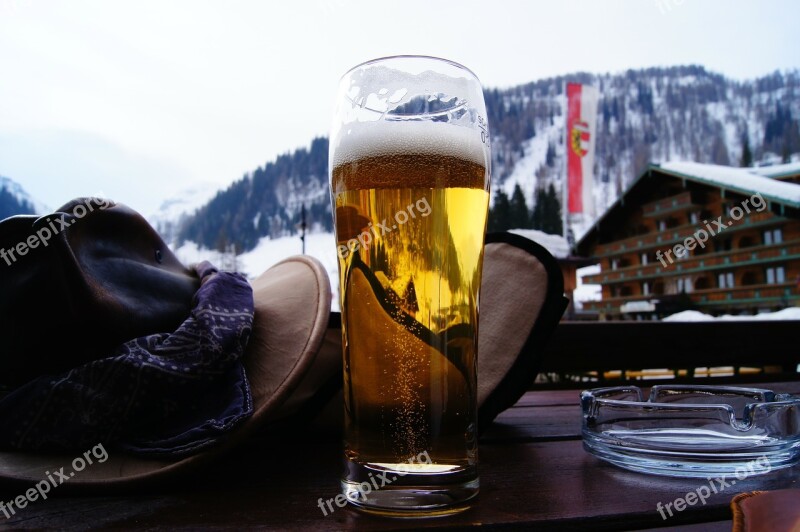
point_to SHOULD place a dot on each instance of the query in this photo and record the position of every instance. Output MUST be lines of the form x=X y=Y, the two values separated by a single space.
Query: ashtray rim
x=626 y=432
x=598 y=395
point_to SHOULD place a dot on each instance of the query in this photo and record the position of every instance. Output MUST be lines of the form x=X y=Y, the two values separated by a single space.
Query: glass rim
x=411 y=56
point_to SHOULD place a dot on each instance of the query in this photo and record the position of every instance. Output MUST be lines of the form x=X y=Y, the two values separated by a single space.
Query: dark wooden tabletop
x=534 y=474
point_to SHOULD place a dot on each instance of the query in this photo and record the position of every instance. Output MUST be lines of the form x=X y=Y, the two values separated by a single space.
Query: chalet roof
x=748 y=181
x=742 y=180
x=778 y=170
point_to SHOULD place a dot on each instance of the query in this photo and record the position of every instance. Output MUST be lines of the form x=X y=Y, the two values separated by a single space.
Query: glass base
x=410 y=490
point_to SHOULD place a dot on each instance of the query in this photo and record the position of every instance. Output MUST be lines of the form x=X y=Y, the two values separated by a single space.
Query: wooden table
x=534 y=474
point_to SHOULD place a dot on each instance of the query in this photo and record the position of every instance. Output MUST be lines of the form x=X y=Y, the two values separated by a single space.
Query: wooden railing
x=675 y=235
x=772 y=252
x=673 y=203
x=788 y=291
x=596 y=351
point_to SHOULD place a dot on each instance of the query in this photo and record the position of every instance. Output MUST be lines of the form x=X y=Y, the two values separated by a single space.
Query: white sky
x=141 y=99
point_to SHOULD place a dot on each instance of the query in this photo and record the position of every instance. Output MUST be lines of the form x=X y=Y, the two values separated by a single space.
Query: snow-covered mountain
x=645 y=116
x=15 y=200
x=649 y=115
x=176 y=210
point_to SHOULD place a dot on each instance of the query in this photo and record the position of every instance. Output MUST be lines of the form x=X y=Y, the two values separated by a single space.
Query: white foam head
x=359 y=140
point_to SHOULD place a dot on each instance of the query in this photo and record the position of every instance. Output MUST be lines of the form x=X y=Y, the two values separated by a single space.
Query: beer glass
x=409 y=168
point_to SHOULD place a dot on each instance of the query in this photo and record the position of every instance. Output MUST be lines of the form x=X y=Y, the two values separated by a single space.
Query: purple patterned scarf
x=166 y=394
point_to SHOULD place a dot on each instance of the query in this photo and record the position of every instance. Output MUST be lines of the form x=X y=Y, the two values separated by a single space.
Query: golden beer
x=410 y=262
x=409 y=179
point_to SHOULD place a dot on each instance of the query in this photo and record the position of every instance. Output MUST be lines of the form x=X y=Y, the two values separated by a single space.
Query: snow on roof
x=777 y=170
x=742 y=180
x=556 y=244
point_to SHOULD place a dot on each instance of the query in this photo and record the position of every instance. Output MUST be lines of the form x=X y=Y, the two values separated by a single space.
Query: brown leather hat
x=292 y=307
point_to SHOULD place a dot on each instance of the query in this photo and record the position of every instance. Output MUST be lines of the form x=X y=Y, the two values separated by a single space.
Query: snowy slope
x=650 y=116
x=269 y=252
x=173 y=210
x=186 y=201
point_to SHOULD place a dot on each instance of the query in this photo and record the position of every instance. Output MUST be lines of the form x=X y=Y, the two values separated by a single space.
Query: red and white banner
x=581 y=127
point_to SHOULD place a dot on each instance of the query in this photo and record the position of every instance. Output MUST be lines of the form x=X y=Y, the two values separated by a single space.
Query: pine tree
x=553 y=223
x=547 y=212
x=519 y=217
x=747 y=155
x=499 y=215
x=537 y=218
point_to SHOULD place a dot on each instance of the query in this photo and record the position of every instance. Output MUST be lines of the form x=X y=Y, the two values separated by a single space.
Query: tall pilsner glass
x=409 y=169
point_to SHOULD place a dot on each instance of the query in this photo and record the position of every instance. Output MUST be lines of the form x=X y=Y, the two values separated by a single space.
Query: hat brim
x=292 y=307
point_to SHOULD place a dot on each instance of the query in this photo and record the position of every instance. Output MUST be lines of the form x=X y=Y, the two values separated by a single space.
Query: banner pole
x=565 y=181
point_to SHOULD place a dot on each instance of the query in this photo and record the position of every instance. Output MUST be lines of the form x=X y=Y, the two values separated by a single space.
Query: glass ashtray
x=692 y=431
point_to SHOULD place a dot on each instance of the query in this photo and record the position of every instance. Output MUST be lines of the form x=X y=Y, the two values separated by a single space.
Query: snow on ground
x=586 y=292
x=556 y=244
x=269 y=252
x=791 y=313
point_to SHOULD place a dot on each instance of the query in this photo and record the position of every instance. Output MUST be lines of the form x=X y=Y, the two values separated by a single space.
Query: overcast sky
x=141 y=99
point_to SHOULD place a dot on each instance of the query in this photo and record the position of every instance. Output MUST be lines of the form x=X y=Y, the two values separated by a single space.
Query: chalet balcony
x=781 y=293
x=670 y=237
x=700 y=263
x=670 y=205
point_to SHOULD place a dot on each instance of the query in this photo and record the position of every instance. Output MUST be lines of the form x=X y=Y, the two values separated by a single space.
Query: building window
x=614 y=264
x=694 y=218
x=644 y=259
x=722 y=244
x=773 y=236
x=645 y=288
x=684 y=284
x=776 y=275
x=725 y=280
x=662 y=225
